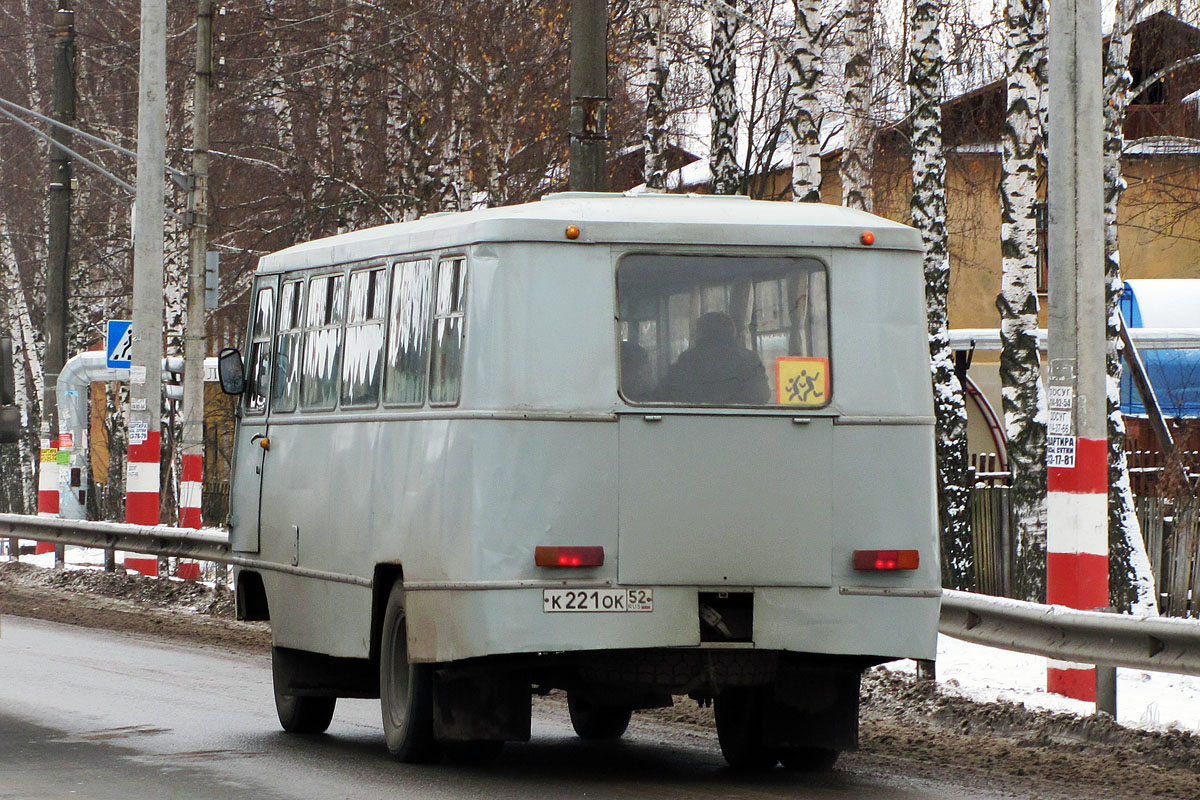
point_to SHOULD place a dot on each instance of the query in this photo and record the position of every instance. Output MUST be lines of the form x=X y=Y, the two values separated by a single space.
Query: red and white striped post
x=1077 y=561
x=141 y=489
x=191 y=491
x=1077 y=429
x=48 y=479
x=48 y=501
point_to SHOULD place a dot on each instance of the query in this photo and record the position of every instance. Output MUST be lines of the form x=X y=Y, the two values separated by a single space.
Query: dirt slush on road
x=905 y=723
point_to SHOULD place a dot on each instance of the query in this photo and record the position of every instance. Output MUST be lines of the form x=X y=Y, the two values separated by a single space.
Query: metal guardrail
x=1160 y=644
x=202 y=544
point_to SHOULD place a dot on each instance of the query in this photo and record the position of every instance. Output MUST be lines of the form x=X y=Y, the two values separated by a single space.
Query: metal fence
x=214 y=504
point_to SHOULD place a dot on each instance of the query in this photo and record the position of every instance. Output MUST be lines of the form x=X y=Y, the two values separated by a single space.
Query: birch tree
x=803 y=108
x=723 y=105
x=651 y=18
x=928 y=207
x=857 y=140
x=1130 y=578
x=1022 y=392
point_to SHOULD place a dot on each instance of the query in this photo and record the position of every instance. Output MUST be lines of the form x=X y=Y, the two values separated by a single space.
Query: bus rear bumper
x=457 y=624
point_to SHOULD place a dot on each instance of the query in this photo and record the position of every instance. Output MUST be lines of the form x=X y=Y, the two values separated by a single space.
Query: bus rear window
x=706 y=330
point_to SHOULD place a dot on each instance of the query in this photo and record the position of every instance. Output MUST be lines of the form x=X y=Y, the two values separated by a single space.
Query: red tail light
x=568 y=556
x=885 y=560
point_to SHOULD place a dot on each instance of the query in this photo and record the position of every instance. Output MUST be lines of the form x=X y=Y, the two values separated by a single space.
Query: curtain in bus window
x=408 y=333
x=260 y=351
x=724 y=330
x=322 y=342
x=286 y=388
x=362 y=359
x=446 y=381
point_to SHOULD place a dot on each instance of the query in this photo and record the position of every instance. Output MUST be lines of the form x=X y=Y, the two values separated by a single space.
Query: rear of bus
x=775 y=457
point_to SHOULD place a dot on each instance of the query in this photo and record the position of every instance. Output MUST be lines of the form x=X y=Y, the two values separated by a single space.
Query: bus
x=634 y=448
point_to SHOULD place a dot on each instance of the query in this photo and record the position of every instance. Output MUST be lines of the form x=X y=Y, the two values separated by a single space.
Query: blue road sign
x=118 y=344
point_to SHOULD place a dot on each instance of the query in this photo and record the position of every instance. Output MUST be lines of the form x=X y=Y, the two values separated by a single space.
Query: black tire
x=299 y=713
x=597 y=722
x=808 y=759
x=405 y=691
x=740 y=713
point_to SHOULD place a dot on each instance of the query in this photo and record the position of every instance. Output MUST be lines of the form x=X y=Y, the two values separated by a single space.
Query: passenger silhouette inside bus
x=637 y=383
x=717 y=369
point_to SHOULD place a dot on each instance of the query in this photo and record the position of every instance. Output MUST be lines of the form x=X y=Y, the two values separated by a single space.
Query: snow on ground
x=1148 y=700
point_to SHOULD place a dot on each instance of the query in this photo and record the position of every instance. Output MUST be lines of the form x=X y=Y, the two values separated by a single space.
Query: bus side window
x=285 y=390
x=364 y=338
x=322 y=342
x=408 y=333
x=260 y=351
x=446 y=378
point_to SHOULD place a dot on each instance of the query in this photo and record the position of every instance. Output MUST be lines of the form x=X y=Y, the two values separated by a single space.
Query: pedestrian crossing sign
x=118 y=344
x=801 y=381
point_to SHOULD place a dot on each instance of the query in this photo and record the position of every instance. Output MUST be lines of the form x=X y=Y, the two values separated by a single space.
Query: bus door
x=725 y=440
x=250 y=446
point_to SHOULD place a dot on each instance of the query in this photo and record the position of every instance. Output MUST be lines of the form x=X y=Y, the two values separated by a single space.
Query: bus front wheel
x=405 y=690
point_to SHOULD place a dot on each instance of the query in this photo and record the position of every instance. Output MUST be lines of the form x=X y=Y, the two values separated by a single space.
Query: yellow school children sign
x=801 y=381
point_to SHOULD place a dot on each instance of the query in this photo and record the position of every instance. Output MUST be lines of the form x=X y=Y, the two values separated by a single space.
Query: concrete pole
x=589 y=96
x=194 y=340
x=191 y=489
x=1077 y=460
x=57 y=267
x=145 y=378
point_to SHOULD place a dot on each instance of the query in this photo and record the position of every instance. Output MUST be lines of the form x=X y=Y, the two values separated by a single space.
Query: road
x=96 y=714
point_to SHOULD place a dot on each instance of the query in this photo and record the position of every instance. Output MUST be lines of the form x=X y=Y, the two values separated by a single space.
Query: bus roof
x=610 y=219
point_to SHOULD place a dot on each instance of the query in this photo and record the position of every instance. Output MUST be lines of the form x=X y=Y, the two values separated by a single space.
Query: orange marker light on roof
x=572 y=232
x=868 y=238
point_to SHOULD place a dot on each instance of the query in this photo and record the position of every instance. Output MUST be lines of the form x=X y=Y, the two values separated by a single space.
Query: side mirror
x=231 y=372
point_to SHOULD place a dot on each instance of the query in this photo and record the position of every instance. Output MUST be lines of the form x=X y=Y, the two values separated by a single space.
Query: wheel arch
x=385 y=576
x=250 y=597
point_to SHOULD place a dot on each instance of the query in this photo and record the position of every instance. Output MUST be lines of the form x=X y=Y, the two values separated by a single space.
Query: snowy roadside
x=1154 y=701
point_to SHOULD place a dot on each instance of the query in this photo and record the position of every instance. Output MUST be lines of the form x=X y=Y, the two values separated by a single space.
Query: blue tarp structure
x=1174 y=374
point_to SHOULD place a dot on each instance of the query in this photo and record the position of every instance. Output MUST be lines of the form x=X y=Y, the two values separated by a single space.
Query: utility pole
x=57 y=263
x=194 y=329
x=589 y=96
x=145 y=375
x=1077 y=449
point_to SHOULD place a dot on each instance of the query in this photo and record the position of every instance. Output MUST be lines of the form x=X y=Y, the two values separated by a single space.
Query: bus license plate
x=555 y=601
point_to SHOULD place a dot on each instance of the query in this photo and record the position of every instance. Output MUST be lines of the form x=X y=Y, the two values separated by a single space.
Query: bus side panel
x=321 y=616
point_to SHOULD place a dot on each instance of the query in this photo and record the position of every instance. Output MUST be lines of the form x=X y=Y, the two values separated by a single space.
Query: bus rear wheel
x=299 y=713
x=405 y=691
x=597 y=722
x=741 y=715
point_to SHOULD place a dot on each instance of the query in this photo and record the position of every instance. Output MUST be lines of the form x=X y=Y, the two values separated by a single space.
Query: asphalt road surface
x=96 y=714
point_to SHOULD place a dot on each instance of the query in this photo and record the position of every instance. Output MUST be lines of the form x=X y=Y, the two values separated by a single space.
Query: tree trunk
x=928 y=207
x=803 y=109
x=1131 y=584
x=723 y=106
x=19 y=325
x=1023 y=394
x=652 y=18
x=858 y=141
